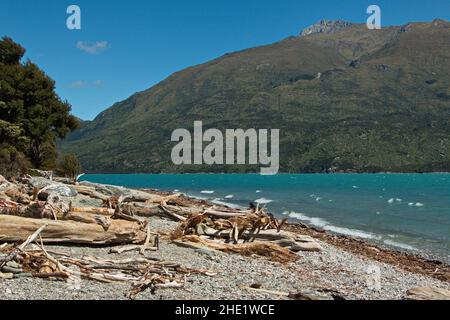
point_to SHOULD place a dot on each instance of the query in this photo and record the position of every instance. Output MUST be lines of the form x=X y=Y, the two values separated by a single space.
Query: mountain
x=345 y=98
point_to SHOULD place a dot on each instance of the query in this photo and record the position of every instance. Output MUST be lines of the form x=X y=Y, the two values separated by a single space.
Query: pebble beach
x=321 y=275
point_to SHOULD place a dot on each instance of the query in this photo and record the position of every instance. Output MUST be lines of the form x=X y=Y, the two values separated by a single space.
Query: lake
x=408 y=211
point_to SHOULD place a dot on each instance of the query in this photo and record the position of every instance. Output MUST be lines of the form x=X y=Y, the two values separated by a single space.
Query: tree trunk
x=13 y=229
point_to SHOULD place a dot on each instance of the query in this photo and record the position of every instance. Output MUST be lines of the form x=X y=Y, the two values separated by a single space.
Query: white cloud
x=85 y=84
x=78 y=84
x=92 y=48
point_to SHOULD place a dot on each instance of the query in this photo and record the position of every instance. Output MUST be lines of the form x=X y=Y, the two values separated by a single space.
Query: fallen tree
x=13 y=229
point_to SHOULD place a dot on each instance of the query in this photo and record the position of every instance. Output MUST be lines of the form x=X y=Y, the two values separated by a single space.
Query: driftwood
x=225 y=215
x=83 y=217
x=283 y=238
x=102 y=211
x=267 y=249
x=170 y=214
x=22 y=247
x=243 y=231
x=146 y=210
x=14 y=229
x=129 y=248
x=141 y=272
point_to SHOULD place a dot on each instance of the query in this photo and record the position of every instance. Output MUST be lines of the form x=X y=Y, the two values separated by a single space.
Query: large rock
x=83 y=201
x=111 y=190
x=306 y=246
x=61 y=190
x=39 y=182
x=428 y=293
x=51 y=187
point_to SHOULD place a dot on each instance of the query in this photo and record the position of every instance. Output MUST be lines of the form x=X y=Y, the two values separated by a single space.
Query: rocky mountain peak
x=326 y=26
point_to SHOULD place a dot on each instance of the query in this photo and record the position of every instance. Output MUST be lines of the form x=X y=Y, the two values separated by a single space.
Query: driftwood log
x=13 y=229
x=267 y=249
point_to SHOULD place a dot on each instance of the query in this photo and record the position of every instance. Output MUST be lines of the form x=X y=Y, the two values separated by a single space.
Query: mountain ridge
x=346 y=82
x=326 y=26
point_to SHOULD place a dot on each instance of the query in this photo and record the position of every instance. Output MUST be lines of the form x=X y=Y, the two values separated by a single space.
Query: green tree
x=30 y=105
x=10 y=52
x=70 y=166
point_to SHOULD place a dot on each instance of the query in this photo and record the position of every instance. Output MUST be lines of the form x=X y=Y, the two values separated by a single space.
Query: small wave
x=400 y=245
x=263 y=201
x=352 y=232
x=207 y=191
x=258 y=191
x=416 y=204
x=224 y=203
x=230 y=196
x=321 y=223
x=318 y=222
x=395 y=200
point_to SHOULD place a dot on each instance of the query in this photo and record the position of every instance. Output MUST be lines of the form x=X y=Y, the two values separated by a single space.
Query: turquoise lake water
x=408 y=211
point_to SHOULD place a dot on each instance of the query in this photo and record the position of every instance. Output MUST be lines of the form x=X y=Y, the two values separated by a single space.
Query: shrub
x=70 y=166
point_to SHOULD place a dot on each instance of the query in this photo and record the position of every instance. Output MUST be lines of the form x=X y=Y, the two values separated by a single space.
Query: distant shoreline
x=280 y=173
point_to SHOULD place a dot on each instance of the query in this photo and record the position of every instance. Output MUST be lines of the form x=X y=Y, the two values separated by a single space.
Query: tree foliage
x=32 y=116
x=70 y=166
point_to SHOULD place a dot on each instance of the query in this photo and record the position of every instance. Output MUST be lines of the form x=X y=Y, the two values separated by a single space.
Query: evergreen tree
x=32 y=116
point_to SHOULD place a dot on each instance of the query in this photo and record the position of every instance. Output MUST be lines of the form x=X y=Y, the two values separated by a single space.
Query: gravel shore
x=332 y=272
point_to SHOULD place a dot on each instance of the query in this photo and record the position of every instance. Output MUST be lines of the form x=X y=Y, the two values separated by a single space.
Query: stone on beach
x=4 y=275
x=49 y=186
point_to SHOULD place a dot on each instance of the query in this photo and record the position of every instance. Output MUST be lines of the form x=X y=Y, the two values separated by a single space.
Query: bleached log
x=14 y=229
x=271 y=235
x=130 y=248
x=224 y=215
x=85 y=217
x=283 y=238
x=171 y=215
x=102 y=211
x=262 y=248
x=146 y=210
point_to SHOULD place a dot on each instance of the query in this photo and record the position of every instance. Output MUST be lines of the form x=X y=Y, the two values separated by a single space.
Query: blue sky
x=128 y=46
